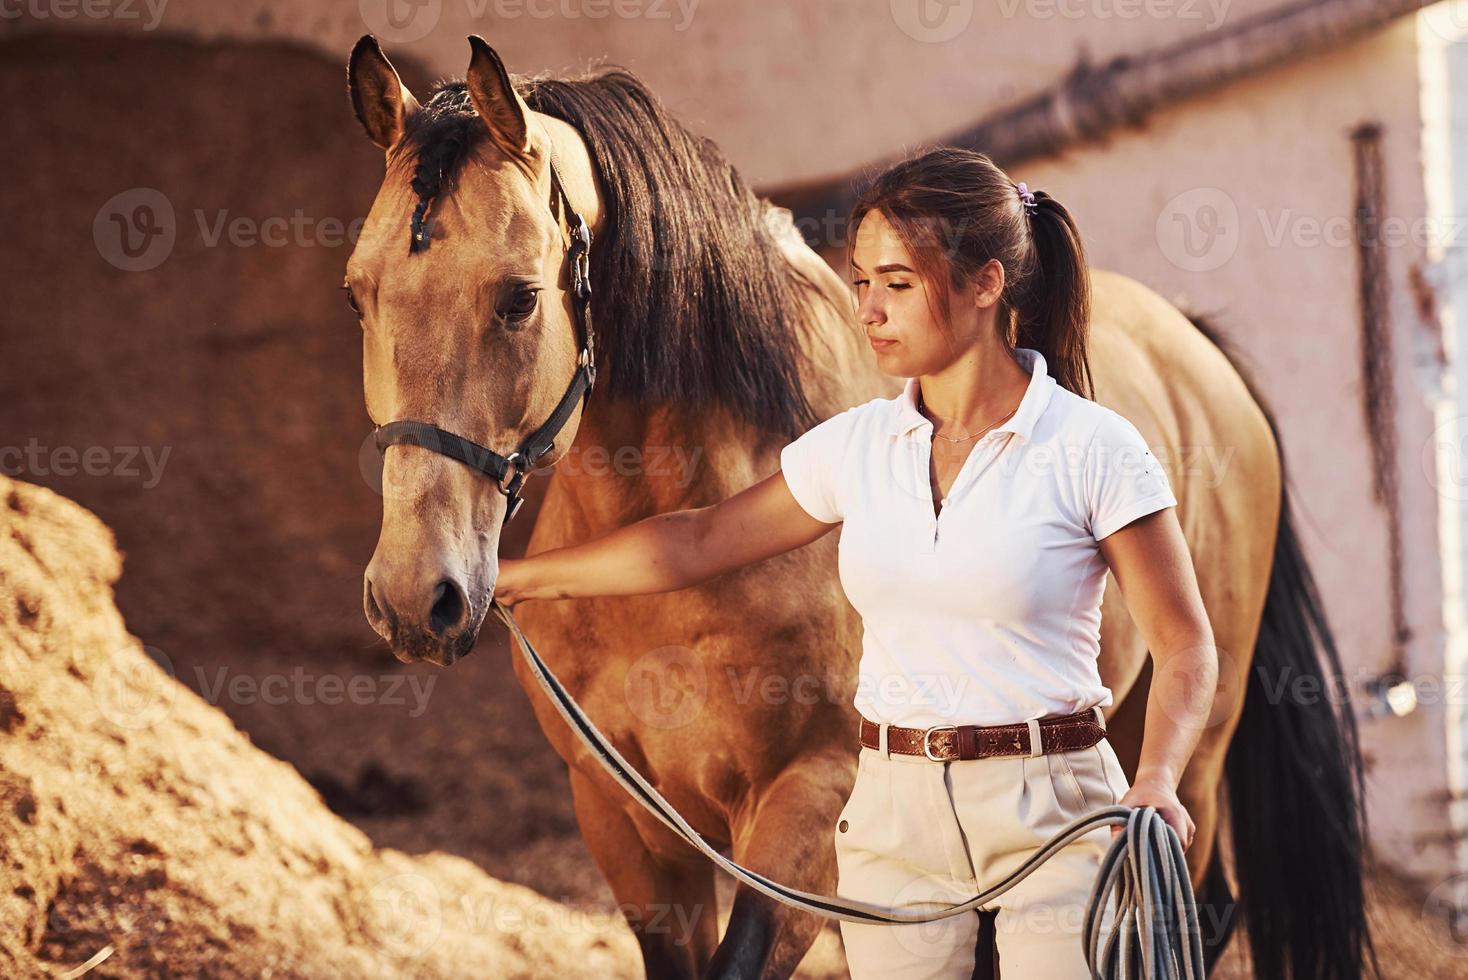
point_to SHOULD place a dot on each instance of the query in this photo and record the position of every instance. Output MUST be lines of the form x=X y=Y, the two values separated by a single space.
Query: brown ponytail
x=955 y=210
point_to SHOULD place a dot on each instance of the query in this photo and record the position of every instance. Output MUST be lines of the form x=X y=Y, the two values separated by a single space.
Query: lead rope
x=1154 y=934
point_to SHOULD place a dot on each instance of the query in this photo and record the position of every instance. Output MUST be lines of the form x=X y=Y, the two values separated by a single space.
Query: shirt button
x=944 y=501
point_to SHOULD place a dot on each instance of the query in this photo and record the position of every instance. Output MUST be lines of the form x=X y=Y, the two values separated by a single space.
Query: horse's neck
x=632 y=461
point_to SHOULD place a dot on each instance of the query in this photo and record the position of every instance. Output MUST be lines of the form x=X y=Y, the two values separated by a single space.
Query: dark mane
x=695 y=304
x=440 y=138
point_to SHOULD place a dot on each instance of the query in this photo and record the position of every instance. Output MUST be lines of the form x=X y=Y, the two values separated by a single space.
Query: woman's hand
x=1160 y=795
x=511 y=585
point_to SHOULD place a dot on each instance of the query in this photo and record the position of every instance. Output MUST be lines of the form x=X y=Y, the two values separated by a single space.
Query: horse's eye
x=352 y=302
x=522 y=305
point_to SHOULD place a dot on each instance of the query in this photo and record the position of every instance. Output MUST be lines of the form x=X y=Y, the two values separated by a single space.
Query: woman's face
x=893 y=304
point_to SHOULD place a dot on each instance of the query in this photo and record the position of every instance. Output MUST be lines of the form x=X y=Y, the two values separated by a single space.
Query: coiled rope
x=1154 y=934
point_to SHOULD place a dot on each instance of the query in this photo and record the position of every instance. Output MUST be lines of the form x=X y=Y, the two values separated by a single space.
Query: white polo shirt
x=990 y=612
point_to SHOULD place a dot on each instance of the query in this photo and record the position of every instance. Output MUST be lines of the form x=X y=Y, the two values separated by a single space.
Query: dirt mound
x=134 y=814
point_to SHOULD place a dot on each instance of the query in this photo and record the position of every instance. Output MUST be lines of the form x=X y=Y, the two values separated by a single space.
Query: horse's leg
x=670 y=905
x=787 y=837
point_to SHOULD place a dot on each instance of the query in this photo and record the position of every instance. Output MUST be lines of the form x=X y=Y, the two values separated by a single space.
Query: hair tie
x=1028 y=198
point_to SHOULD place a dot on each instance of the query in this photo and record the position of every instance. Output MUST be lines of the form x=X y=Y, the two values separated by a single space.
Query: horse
x=722 y=334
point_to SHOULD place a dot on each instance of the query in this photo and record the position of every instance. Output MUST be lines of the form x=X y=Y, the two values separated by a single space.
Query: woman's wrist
x=1161 y=775
x=518 y=581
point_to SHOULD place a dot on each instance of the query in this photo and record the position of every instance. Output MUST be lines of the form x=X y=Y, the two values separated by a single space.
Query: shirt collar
x=905 y=416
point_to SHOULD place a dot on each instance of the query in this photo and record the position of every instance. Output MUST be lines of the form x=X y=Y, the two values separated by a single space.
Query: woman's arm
x=667 y=551
x=1150 y=560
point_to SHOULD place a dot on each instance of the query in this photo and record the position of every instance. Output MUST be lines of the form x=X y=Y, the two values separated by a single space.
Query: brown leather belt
x=946 y=743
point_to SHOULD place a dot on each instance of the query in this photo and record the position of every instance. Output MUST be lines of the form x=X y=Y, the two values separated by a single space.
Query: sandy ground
x=140 y=825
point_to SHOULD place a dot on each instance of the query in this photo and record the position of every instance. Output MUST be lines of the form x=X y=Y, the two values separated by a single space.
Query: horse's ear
x=495 y=99
x=380 y=99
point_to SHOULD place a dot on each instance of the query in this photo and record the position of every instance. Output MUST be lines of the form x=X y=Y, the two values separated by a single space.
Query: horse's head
x=460 y=278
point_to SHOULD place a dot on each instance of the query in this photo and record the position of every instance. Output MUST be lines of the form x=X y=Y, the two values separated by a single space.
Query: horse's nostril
x=448 y=608
x=375 y=614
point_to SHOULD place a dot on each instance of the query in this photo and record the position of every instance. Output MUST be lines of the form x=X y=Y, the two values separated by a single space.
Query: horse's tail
x=1294 y=774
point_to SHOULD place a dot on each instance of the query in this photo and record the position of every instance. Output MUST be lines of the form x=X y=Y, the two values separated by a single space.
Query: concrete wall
x=800 y=90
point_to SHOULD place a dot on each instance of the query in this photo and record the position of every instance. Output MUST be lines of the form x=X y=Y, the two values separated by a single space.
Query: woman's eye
x=858 y=283
x=522 y=305
x=899 y=285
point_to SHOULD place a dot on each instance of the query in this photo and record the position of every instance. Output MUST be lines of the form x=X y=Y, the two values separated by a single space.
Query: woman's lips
x=880 y=344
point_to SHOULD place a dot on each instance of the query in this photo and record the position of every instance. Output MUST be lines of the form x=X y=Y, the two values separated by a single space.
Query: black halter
x=498 y=468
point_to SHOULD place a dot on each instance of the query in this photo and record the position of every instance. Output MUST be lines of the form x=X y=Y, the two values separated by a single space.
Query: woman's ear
x=988 y=284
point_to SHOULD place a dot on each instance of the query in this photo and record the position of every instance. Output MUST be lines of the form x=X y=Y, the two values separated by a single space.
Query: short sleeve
x=1123 y=480
x=812 y=462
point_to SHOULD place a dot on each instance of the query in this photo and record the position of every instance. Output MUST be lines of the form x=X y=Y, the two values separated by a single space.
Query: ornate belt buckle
x=927 y=732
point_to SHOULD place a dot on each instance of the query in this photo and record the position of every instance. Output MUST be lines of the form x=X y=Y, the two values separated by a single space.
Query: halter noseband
x=523 y=459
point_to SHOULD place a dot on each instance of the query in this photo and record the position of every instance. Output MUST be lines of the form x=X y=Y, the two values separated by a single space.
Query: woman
x=982 y=508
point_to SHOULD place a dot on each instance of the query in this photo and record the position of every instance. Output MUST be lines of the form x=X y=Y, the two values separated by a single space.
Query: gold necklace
x=937 y=435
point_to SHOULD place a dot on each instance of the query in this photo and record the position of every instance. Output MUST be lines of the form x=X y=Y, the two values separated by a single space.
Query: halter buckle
x=586 y=363
x=581 y=276
x=509 y=483
x=580 y=257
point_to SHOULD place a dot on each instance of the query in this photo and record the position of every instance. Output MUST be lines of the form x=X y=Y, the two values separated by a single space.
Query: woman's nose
x=870 y=312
